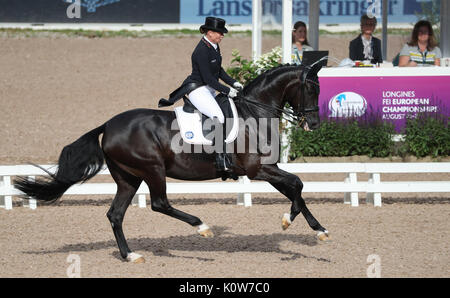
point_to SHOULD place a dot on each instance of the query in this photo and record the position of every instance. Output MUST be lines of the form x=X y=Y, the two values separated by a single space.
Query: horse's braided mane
x=270 y=72
x=253 y=110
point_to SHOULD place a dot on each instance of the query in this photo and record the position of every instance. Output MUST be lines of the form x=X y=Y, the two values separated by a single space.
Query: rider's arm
x=226 y=78
x=201 y=58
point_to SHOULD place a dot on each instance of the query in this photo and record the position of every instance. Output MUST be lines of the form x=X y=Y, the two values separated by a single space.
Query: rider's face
x=214 y=37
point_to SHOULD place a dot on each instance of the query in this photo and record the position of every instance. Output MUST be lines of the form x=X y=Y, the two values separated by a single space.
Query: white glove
x=233 y=93
x=238 y=86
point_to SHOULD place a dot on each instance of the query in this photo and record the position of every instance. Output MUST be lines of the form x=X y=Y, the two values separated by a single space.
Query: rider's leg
x=203 y=98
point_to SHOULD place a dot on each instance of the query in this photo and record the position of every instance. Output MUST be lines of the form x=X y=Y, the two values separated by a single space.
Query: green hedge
x=427 y=135
x=424 y=136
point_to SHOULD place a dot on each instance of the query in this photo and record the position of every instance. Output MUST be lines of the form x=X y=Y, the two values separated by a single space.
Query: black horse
x=136 y=147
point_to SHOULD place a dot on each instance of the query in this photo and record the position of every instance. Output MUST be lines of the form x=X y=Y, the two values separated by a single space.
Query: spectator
x=422 y=49
x=365 y=46
x=299 y=42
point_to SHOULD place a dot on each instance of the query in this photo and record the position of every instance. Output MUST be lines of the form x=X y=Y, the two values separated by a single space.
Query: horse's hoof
x=135 y=258
x=323 y=236
x=286 y=221
x=205 y=231
x=140 y=260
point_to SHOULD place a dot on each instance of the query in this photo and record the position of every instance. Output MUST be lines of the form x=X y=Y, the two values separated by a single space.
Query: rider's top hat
x=214 y=24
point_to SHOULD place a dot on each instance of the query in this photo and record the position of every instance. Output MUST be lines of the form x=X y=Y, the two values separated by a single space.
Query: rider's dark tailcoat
x=207 y=67
x=206 y=70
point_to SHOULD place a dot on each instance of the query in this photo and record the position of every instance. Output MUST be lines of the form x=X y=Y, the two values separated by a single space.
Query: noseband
x=301 y=115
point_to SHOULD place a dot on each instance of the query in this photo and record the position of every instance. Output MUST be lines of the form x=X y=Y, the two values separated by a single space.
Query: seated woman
x=365 y=46
x=422 y=49
x=299 y=42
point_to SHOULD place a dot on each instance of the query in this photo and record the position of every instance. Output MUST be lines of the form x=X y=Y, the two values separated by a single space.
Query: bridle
x=299 y=116
x=303 y=112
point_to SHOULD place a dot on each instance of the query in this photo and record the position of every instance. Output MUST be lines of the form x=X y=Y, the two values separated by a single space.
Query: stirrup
x=227 y=163
x=222 y=164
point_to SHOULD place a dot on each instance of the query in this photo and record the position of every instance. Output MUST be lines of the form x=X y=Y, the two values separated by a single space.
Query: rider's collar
x=213 y=44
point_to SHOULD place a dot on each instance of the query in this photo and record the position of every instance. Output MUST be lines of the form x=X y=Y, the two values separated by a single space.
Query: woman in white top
x=299 y=42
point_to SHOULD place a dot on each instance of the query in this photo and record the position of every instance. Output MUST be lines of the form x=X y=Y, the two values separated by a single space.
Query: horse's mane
x=253 y=110
x=267 y=75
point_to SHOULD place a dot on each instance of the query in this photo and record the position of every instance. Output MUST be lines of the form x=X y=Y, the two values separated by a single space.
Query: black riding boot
x=223 y=159
x=224 y=166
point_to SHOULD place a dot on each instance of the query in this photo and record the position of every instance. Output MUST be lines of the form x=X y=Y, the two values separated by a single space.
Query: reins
x=275 y=111
x=269 y=108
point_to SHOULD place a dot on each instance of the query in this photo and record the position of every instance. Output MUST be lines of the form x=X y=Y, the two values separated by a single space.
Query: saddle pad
x=190 y=125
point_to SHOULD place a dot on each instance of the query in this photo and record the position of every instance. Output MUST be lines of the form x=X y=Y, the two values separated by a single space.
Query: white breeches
x=203 y=99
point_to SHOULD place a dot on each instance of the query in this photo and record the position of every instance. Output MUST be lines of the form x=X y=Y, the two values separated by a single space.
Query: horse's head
x=296 y=85
x=306 y=98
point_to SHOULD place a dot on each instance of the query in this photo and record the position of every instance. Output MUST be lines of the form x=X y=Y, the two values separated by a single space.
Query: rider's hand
x=238 y=86
x=233 y=93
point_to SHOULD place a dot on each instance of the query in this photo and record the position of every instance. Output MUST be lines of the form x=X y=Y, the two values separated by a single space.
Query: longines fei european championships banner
x=388 y=94
x=194 y=11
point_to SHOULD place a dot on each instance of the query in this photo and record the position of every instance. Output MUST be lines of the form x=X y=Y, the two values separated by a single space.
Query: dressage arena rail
x=244 y=187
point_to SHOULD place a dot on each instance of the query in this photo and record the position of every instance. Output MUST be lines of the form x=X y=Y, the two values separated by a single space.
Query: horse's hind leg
x=156 y=182
x=127 y=185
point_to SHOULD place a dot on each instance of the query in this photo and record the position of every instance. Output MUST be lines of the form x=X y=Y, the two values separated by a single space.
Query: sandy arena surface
x=54 y=89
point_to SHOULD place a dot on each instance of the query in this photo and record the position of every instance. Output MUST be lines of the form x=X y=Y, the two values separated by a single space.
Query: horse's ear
x=315 y=69
x=304 y=74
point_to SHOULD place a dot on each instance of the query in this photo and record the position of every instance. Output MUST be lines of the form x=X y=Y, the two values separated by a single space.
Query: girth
x=179 y=93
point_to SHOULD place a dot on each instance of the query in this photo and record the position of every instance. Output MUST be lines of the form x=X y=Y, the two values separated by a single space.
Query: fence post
x=6 y=201
x=369 y=195
x=351 y=198
x=347 y=194
x=139 y=200
x=31 y=203
x=374 y=197
x=244 y=199
x=142 y=201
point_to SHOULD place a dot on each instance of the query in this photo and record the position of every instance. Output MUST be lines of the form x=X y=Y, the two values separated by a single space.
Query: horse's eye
x=313 y=89
x=317 y=89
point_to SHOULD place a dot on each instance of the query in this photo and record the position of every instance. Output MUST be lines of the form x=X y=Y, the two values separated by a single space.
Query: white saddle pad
x=190 y=125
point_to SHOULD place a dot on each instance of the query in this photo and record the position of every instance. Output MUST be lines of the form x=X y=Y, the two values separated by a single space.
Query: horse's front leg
x=291 y=186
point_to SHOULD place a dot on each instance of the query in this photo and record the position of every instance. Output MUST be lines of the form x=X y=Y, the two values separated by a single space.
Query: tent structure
x=313 y=30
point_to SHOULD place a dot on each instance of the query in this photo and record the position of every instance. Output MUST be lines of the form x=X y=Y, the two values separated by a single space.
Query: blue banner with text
x=331 y=11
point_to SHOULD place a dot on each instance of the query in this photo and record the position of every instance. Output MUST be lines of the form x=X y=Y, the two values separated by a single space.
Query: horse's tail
x=78 y=162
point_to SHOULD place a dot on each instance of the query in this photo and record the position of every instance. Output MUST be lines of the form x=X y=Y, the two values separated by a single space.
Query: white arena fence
x=244 y=187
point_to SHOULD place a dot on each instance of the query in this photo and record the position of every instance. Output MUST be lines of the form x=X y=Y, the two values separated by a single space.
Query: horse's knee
x=115 y=219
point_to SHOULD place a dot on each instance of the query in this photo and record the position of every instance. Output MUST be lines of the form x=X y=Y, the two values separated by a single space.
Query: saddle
x=195 y=128
x=193 y=125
